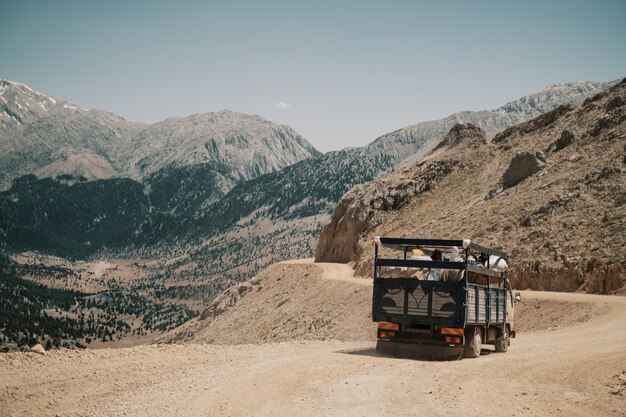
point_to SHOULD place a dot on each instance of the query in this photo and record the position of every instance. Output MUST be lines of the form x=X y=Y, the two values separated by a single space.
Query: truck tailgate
x=411 y=301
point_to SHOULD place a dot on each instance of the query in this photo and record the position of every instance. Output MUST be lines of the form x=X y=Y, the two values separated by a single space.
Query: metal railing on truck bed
x=414 y=301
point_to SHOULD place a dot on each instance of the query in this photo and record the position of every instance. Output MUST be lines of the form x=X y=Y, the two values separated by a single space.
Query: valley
x=76 y=304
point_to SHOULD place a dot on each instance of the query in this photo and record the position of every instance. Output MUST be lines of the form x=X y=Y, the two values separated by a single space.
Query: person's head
x=437 y=255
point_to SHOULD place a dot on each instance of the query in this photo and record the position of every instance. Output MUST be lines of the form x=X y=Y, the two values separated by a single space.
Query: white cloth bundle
x=497 y=263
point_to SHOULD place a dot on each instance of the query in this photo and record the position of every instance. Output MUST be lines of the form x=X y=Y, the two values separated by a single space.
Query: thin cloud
x=282 y=105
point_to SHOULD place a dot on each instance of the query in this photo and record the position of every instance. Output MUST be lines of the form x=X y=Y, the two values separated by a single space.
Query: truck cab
x=440 y=299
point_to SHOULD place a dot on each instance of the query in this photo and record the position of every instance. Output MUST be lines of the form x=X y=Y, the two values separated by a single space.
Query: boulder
x=38 y=349
x=567 y=137
x=523 y=165
x=614 y=103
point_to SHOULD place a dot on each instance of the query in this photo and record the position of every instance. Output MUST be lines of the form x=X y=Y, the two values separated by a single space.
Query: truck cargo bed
x=411 y=301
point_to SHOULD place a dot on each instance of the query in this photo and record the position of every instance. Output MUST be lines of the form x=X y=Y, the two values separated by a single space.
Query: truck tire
x=502 y=344
x=473 y=343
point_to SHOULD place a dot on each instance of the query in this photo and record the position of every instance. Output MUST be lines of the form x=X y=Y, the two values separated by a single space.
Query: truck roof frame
x=441 y=243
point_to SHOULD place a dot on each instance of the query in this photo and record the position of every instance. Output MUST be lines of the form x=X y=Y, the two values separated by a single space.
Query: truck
x=442 y=299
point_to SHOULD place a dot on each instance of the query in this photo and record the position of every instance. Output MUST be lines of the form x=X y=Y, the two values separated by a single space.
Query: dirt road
x=570 y=371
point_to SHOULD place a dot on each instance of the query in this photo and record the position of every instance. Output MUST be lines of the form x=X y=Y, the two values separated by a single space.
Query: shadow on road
x=373 y=353
x=363 y=352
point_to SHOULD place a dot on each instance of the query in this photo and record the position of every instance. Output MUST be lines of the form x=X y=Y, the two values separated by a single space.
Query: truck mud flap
x=419 y=351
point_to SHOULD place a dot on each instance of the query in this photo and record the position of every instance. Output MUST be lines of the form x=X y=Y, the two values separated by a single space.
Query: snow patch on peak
x=69 y=106
x=9 y=83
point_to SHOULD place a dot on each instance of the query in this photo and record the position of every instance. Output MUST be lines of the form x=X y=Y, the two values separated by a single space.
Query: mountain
x=549 y=191
x=45 y=136
x=243 y=146
x=422 y=136
x=311 y=187
x=188 y=164
x=280 y=215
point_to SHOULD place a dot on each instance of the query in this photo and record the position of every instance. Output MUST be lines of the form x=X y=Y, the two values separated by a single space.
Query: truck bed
x=411 y=301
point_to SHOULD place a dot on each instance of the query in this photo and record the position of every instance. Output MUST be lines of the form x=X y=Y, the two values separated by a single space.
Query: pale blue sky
x=350 y=71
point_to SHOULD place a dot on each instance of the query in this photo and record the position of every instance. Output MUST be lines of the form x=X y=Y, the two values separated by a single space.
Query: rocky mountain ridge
x=45 y=136
x=425 y=135
x=246 y=146
x=550 y=191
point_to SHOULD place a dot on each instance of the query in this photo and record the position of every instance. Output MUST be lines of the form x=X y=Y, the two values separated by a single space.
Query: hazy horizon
x=339 y=74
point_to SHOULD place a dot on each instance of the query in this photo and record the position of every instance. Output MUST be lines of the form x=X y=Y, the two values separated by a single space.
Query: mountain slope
x=244 y=146
x=45 y=136
x=562 y=220
x=286 y=301
x=277 y=216
x=306 y=188
x=69 y=217
x=404 y=142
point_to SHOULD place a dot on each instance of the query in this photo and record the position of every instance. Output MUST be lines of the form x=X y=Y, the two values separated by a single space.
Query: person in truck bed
x=434 y=274
x=453 y=275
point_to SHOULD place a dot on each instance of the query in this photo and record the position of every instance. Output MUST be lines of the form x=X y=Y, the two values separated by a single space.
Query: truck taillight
x=383 y=325
x=386 y=335
x=453 y=340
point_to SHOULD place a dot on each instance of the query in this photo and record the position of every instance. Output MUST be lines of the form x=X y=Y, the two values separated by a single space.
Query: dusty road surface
x=576 y=370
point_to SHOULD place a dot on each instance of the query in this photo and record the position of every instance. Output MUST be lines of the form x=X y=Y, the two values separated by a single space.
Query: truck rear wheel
x=473 y=343
x=502 y=344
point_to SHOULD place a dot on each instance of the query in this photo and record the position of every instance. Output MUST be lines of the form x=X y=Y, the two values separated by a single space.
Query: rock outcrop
x=339 y=238
x=523 y=165
x=463 y=133
x=357 y=209
x=566 y=139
